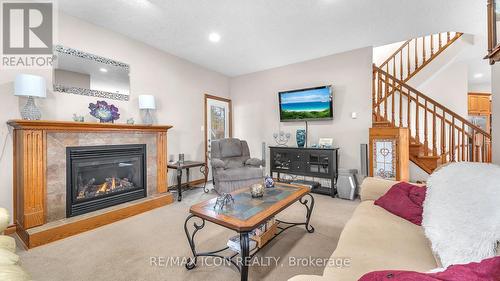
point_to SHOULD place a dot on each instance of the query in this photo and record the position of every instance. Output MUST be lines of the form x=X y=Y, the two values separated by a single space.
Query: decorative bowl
x=257 y=190
x=104 y=112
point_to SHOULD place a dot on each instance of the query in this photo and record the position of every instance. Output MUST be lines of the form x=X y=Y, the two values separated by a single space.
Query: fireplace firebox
x=102 y=176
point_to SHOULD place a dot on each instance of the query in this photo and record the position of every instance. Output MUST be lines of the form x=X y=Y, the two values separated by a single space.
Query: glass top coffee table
x=243 y=216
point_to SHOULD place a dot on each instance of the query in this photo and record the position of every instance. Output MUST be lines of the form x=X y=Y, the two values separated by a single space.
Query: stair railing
x=416 y=53
x=443 y=133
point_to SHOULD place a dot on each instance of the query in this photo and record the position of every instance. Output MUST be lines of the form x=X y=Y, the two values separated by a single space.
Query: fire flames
x=104 y=186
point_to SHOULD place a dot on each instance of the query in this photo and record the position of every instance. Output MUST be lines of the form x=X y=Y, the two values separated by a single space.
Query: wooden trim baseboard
x=46 y=236
x=10 y=229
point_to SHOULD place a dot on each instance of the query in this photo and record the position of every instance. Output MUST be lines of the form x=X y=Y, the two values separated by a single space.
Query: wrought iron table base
x=203 y=170
x=246 y=255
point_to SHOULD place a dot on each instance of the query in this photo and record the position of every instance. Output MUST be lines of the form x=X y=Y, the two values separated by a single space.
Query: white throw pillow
x=461 y=214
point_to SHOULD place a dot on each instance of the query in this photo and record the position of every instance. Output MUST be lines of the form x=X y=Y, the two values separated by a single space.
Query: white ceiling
x=262 y=34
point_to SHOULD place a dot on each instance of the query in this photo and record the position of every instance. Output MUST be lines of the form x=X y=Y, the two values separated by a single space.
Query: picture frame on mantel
x=493 y=31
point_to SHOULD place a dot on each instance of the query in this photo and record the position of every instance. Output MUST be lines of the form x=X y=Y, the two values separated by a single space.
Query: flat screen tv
x=306 y=104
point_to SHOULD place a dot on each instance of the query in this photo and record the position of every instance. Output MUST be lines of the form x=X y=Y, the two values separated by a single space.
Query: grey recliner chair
x=232 y=166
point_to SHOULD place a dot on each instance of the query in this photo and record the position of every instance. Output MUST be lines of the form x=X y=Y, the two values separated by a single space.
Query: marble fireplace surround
x=40 y=175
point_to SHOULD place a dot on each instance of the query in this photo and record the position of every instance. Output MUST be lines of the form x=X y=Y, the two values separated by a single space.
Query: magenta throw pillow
x=404 y=200
x=486 y=270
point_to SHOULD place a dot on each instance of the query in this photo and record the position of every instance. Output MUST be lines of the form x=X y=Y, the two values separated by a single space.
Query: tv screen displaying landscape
x=306 y=104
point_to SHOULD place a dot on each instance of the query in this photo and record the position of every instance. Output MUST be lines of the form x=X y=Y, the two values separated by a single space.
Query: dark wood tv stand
x=309 y=162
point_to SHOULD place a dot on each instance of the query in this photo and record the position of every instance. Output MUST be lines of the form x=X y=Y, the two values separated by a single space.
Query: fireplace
x=102 y=176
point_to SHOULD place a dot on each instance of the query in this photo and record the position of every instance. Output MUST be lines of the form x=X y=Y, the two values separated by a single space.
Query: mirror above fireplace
x=82 y=73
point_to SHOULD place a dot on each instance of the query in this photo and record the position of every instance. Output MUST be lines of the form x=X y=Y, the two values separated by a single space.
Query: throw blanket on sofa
x=462 y=212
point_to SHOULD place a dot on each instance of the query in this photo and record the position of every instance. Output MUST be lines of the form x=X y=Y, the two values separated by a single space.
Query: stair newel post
x=434 y=148
x=417 y=123
x=426 y=134
x=450 y=143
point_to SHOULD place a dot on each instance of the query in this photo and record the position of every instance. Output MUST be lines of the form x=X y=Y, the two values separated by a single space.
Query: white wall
x=178 y=85
x=495 y=81
x=479 y=87
x=382 y=53
x=255 y=102
x=449 y=86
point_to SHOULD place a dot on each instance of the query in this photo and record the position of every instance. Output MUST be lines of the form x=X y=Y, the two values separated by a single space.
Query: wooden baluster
x=432 y=45
x=443 y=139
x=401 y=65
x=408 y=62
x=417 y=120
x=386 y=97
x=423 y=50
x=474 y=157
x=449 y=143
x=379 y=103
x=394 y=67
x=426 y=134
x=393 y=104
x=374 y=101
x=448 y=38
x=416 y=53
x=463 y=142
x=484 y=148
x=400 y=108
x=434 y=148
x=408 y=115
x=452 y=132
x=440 y=41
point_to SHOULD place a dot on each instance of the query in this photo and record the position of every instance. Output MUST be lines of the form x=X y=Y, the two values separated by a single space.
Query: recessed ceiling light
x=103 y=70
x=478 y=75
x=214 y=37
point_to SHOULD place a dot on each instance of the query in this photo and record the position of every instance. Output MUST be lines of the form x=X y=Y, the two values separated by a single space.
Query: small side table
x=187 y=165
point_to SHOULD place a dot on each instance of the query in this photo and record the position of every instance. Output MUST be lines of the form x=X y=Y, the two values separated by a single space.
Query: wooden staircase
x=437 y=134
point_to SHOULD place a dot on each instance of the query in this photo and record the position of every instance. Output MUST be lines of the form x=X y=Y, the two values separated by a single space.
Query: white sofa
x=374 y=239
x=9 y=267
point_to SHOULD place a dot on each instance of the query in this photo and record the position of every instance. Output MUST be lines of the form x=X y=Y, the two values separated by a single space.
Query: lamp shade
x=30 y=85
x=147 y=102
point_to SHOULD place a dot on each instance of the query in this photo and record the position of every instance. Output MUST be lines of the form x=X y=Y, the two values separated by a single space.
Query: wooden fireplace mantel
x=30 y=164
x=84 y=126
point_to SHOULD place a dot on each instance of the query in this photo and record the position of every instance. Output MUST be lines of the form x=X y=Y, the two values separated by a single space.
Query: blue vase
x=301 y=137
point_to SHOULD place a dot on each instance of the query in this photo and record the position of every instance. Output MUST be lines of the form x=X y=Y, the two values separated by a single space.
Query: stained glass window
x=385 y=159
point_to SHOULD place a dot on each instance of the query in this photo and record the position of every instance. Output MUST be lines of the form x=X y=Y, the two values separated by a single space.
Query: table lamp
x=30 y=86
x=147 y=102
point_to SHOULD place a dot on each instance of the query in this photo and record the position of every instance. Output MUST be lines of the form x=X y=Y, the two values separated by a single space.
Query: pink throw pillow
x=486 y=270
x=404 y=200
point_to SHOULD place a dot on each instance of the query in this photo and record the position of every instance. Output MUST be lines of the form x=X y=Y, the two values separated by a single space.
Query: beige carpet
x=123 y=250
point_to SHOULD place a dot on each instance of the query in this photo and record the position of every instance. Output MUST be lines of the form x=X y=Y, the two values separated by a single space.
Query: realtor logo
x=27 y=28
